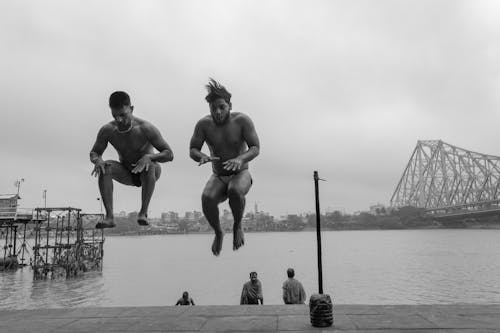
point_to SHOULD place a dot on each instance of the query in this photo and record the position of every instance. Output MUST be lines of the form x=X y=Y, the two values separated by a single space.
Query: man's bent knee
x=234 y=193
x=208 y=199
x=109 y=168
x=151 y=173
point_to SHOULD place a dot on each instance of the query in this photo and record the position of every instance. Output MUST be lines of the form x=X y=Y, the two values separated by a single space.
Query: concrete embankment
x=268 y=318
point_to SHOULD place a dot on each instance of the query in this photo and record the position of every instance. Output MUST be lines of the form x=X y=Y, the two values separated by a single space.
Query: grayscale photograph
x=250 y=166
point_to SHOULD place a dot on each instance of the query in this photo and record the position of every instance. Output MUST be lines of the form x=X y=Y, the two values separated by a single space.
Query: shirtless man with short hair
x=134 y=140
x=233 y=142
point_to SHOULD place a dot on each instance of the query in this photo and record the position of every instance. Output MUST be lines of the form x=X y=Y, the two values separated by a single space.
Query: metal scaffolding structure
x=445 y=180
x=66 y=242
x=8 y=232
x=14 y=232
x=16 y=250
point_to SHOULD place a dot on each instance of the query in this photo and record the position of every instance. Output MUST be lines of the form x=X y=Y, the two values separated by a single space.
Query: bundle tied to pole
x=320 y=305
x=321 y=310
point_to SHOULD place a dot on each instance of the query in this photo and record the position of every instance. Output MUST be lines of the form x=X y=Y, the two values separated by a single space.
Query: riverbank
x=465 y=226
x=267 y=318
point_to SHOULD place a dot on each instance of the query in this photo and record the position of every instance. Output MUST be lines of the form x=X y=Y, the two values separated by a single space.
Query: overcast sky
x=343 y=87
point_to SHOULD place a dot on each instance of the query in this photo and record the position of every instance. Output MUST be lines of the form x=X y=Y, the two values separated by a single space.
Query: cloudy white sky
x=343 y=87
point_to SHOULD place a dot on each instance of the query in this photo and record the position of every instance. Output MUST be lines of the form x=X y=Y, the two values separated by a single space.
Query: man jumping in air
x=233 y=142
x=134 y=140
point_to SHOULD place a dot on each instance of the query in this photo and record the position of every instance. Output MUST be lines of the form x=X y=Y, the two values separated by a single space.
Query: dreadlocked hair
x=217 y=90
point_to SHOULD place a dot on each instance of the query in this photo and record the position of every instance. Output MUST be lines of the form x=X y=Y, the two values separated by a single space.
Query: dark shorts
x=227 y=178
x=136 y=177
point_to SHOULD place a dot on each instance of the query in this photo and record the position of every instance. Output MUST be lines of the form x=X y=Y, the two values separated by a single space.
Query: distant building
x=377 y=209
x=173 y=228
x=170 y=217
x=193 y=216
x=8 y=205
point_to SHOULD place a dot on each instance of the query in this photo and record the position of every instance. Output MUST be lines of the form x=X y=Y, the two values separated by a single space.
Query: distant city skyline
x=184 y=214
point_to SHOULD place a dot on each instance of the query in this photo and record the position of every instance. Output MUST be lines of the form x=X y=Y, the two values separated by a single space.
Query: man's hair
x=119 y=99
x=253 y=273
x=217 y=90
x=290 y=272
x=186 y=294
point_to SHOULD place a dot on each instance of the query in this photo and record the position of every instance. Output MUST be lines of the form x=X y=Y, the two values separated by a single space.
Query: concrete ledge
x=463 y=318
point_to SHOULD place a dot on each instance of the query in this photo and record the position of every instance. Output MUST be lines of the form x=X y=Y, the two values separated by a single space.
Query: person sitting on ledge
x=252 y=291
x=185 y=299
x=293 y=291
x=134 y=140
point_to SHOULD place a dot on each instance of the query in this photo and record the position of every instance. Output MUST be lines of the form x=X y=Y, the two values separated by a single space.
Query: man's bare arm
x=252 y=141
x=100 y=144
x=98 y=149
x=196 y=144
x=251 y=138
x=165 y=152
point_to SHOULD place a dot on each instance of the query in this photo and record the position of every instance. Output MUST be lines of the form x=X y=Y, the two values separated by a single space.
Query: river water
x=360 y=267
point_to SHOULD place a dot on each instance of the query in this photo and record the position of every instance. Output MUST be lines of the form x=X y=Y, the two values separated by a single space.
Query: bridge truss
x=447 y=180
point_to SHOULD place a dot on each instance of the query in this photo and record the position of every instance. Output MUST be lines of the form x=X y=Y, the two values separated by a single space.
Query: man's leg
x=148 y=181
x=213 y=194
x=113 y=171
x=237 y=189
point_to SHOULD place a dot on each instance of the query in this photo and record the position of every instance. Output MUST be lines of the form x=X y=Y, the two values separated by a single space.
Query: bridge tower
x=448 y=180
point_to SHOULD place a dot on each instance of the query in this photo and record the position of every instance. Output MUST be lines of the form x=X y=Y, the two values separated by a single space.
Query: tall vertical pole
x=24 y=244
x=47 y=242
x=318 y=233
x=18 y=184
x=15 y=240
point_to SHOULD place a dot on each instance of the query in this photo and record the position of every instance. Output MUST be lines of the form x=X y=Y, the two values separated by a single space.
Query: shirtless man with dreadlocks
x=233 y=142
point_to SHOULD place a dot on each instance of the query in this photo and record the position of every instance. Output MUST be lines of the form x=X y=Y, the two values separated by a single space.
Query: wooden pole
x=318 y=233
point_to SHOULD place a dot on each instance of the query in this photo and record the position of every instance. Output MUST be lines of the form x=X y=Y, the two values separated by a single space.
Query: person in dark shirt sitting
x=185 y=299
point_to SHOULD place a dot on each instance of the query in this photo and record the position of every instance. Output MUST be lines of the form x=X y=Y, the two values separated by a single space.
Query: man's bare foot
x=142 y=219
x=238 y=238
x=217 y=244
x=107 y=223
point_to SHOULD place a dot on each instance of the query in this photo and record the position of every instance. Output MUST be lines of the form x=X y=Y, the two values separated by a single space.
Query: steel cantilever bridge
x=449 y=181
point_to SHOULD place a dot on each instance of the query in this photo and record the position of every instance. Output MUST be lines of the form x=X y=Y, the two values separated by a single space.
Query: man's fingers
x=147 y=167
x=208 y=159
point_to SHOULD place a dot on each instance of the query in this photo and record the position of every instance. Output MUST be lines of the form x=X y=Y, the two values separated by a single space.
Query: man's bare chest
x=129 y=142
x=225 y=136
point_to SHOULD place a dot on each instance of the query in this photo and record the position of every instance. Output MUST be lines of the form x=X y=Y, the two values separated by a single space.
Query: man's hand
x=205 y=159
x=99 y=168
x=233 y=164
x=142 y=164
